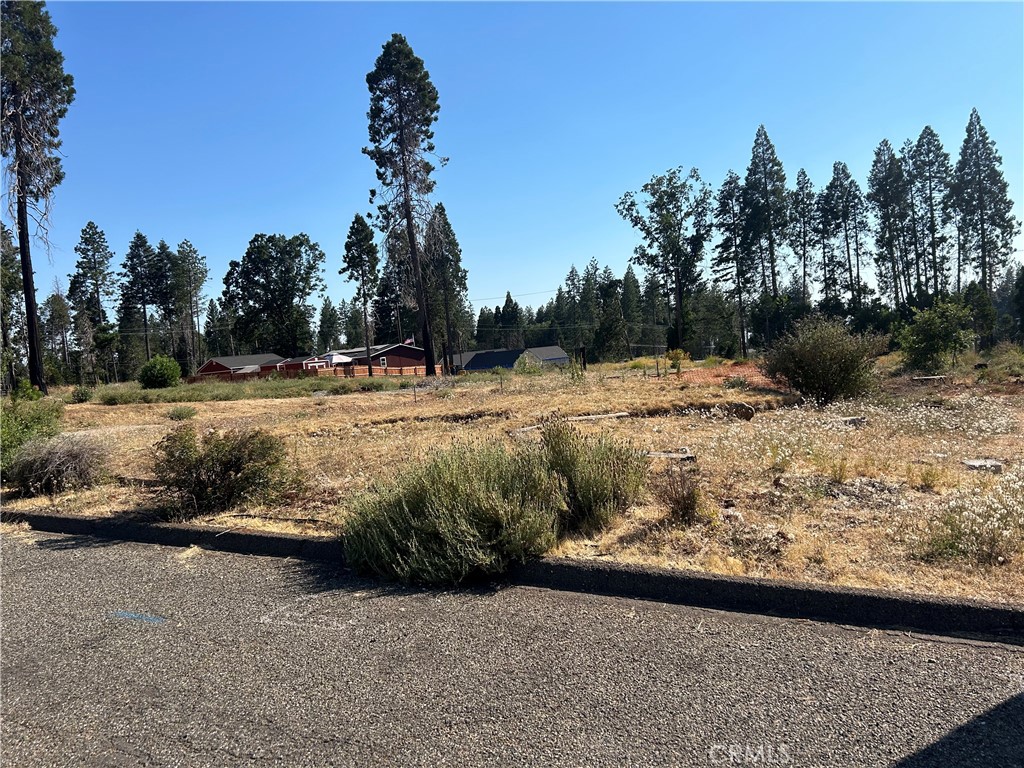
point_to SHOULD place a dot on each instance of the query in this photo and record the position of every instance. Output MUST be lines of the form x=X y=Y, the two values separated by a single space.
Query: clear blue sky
x=214 y=122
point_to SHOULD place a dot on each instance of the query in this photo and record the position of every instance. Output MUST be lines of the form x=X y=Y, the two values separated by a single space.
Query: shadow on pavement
x=317 y=576
x=76 y=541
x=993 y=738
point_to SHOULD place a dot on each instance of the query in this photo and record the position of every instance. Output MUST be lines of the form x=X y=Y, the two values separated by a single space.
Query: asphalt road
x=128 y=654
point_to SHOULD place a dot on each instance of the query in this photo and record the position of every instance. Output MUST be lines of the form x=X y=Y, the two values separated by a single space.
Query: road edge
x=838 y=605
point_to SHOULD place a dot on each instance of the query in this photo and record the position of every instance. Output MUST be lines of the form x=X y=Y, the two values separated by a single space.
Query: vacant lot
x=796 y=492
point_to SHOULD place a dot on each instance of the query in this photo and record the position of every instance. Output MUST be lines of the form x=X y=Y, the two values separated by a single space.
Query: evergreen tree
x=844 y=208
x=802 y=213
x=403 y=109
x=189 y=275
x=485 y=328
x=328 y=330
x=632 y=309
x=509 y=319
x=360 y=265
x=140 y=284
x=979 y=196
x=444 y=257
x=655 y=314
x=887 y=196
x=932 y=176
x=733 y=262
x=610 y=340
x=12 y=318
x=35 y=94
x=765 y=204
x=93 y=281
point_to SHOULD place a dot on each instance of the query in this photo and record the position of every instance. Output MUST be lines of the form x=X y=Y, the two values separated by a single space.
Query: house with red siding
x=385 y=355
x=237 y=364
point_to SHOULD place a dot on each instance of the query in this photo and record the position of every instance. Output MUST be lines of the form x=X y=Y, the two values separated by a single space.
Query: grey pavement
x=127 y=654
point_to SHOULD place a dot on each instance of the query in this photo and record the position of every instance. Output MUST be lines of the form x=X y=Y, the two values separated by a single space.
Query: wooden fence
x=342 y=371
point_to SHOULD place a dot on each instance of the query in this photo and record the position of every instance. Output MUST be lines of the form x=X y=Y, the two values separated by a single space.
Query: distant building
x=381 y=355
x=237 y=364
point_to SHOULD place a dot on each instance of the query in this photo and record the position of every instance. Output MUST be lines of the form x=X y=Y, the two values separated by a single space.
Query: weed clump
x=219 y=471
x=822 y=360
x=677 y=488
x=470 y=510
x=986 y=528
x=57 y=464
x=181 y=413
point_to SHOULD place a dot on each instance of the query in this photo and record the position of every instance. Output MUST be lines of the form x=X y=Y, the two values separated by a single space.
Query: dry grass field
x=796 y=492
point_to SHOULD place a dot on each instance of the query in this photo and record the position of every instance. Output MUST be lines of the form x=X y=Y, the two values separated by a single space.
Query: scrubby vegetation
x=678 y=490
x=218 y=471
x=600 y=476
x=934 y=338
x=986 y=528
x=57 y=464
x=160 y=372
x=21 y=420
x=469 y=510
x=181 y=413
x=474 y=510
x=822 y=360
x=254 y=389
x=81 y=394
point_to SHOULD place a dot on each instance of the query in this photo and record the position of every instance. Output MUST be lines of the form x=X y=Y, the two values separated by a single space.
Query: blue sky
x=216 y=121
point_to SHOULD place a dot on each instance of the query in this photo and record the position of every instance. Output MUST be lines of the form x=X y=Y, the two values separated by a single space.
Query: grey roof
x=241 y=361
x=374 y=350
x=486 y=359
x=549 y=354
x=300 y=358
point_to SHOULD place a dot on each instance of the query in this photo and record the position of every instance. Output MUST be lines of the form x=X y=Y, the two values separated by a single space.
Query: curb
x=787 y=599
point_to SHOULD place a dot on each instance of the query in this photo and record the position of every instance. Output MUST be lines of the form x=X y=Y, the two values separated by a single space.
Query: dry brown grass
x=793 y=493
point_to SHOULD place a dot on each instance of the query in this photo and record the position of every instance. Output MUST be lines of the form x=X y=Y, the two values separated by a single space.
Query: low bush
x=181 y=413
x=57 y=464
x=21 y=420
x=822 y=360
x=159 y=373
x=468 y=511
x=736 y=382
x=527 y=365
x=219 y=471
x=81 y=394
x=473 y=510
x=677 y=488
x=986 y=528
x=601 y=476
x=935 y=336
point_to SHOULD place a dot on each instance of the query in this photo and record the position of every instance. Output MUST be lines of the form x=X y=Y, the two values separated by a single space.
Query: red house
x=236 y=364
x=387 y=355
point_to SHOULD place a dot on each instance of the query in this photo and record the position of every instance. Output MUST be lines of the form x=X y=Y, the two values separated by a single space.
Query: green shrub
x=935 y=336
x=57 y=464
x=160 y=372
x=600 y=476
x=468 y=511
x=22 y=420
x=81 y=394
x=181 y=413
x=822 y=360
x=23 y=390
x=736 y=382
x=220 y=471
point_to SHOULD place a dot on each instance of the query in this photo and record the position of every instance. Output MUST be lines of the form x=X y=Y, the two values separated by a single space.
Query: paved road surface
x=130 y=654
